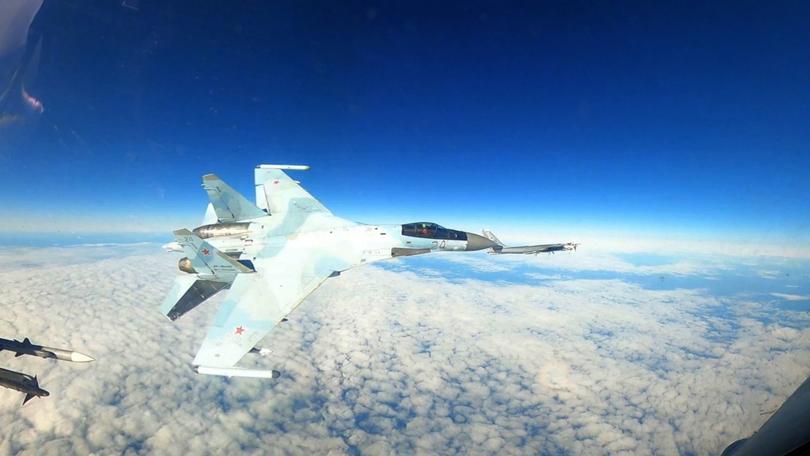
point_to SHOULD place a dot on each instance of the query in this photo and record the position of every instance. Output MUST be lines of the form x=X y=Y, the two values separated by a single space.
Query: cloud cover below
x=379 y=361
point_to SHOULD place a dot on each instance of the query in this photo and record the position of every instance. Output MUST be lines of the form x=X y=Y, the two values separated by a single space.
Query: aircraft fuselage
x=344 y=242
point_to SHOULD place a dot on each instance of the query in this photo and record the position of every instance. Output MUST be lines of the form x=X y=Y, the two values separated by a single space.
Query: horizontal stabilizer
x=209 y=262
x=187 y=293
x=229 y=205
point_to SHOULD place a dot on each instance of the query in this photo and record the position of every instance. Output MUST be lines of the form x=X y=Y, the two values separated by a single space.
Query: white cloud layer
x=792 y=297
x=588 y=260
x=385 y=362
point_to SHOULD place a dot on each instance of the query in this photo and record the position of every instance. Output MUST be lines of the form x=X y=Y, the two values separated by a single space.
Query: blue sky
x=634 y=117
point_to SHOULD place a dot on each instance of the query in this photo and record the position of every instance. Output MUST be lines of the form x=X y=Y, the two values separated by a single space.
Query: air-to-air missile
x=27 y=348
x=22 y=383
x=26 y=383
x=237 y=372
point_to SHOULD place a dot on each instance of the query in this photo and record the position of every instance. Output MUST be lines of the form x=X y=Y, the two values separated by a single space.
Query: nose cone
x=476 y=242
x=77 y=357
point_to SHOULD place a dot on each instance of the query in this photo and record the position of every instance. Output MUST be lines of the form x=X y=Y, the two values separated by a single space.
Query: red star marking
x=205 y=251
x=239 y=330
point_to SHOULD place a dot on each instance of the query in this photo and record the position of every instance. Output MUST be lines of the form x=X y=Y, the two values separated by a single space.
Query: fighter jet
x=272 y=254
x=22 y=383
x=499 y=248
x=26 y=383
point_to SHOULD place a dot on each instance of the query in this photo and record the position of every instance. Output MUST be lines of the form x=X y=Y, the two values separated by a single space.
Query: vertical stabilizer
x=210 y=216
x=498 y=248
x=491 y=236
x=229 y=205
x=282 y=195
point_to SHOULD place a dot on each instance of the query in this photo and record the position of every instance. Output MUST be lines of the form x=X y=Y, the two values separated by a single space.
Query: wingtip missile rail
x=237 y=372
x=287 y=167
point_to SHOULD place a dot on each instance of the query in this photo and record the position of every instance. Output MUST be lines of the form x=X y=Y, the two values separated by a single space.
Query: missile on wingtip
x=27 y=348
x=236 y=372
x=289 y=167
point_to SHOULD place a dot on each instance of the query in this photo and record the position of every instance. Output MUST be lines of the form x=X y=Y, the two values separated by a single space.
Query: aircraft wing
x=258 y=301
x=279 y=194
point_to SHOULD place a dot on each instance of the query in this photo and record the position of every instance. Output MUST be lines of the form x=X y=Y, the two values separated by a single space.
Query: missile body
x=27 y=348
x=236 y=372
x=22 y=383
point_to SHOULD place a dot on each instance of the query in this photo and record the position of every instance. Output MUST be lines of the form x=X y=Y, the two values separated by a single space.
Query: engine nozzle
x=185 y=265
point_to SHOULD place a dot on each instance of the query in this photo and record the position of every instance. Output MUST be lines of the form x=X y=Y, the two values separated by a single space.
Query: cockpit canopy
x=432 y=231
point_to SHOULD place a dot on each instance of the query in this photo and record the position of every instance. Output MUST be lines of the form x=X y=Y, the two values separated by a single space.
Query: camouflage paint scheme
x=272 y=255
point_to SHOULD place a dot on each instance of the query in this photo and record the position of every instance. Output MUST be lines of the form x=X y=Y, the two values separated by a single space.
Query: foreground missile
x=22 y=383
x=27 y=348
